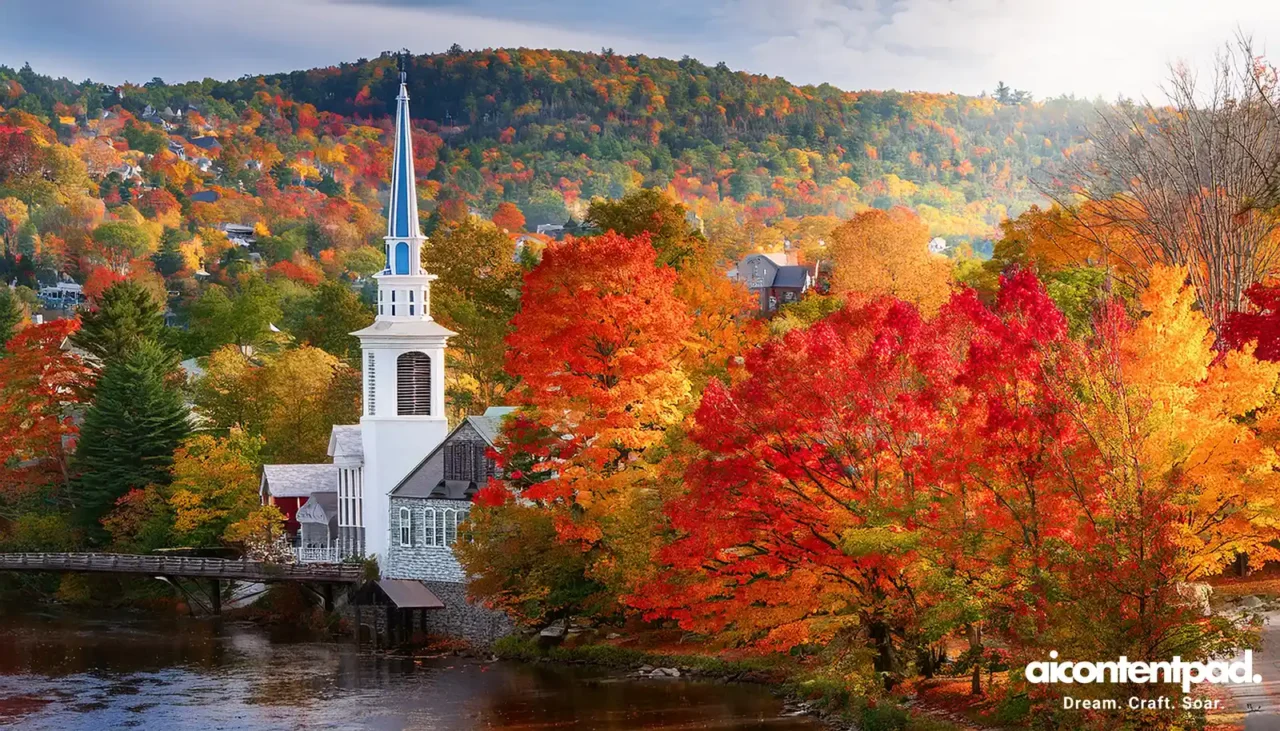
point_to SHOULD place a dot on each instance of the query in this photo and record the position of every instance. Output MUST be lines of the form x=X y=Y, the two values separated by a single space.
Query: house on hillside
x=775 y=279
x=207 y=143
x=239 y=234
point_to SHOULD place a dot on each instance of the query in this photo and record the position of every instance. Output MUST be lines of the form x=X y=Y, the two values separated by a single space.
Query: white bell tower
x=402 y=352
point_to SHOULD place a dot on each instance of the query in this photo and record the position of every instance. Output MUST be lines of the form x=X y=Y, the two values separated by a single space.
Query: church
x=402 y=445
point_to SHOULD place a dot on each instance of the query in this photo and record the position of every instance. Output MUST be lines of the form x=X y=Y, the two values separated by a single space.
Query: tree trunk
x=886 y=659
x=974 y=632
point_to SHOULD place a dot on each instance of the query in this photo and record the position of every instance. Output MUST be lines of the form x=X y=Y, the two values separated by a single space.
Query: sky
x=1088 y=48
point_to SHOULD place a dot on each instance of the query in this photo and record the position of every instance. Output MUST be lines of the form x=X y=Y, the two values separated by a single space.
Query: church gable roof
x=489 y=424
x=298 y=480
x=346 y=443
x=426 y=480
x=792 y=276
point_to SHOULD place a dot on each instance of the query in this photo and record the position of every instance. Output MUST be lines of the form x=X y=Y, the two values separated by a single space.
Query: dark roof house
x=775 y=278
x=207 y=143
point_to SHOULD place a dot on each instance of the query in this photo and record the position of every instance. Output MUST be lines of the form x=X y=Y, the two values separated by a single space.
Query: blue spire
x=402 y=209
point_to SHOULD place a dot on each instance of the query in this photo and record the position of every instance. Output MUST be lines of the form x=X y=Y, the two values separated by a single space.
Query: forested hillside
x=549 y=130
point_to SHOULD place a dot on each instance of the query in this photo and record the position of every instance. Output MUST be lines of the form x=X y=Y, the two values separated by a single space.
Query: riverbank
x=803 y=690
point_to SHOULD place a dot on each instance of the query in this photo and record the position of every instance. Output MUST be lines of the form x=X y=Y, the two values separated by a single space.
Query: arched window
x=406 y=527
x=402 y=258
x=413 y=384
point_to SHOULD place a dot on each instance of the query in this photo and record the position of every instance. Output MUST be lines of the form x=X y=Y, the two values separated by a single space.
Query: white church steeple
x=402 y=352
x=404 y=287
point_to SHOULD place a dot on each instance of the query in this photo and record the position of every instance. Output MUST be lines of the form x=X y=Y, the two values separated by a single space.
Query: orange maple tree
x=38 y=381
x=594 y=346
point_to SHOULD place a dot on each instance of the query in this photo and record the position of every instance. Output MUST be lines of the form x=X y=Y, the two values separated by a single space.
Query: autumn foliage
x=880 y=253
x=883 y=479
x=594 y=348
x=38 y=381
x=884 y=474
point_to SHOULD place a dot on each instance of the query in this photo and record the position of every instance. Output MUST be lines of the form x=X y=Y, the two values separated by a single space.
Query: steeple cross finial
x=402 y=64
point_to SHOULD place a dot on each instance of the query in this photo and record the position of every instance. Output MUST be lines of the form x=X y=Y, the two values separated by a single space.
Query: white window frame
x=450 y=527
x=406 y=527
x=429 y=526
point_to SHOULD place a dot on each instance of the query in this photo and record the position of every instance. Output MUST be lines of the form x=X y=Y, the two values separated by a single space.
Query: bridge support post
x=215 y=597
x=328 y=597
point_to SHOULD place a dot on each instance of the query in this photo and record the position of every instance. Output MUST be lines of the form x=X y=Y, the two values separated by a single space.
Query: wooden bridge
x=174 y=568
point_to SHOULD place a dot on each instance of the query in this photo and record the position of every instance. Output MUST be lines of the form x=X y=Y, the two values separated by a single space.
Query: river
x=67 y=672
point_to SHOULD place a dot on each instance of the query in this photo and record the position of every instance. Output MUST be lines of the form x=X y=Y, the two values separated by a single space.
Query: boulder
x=1196 y=595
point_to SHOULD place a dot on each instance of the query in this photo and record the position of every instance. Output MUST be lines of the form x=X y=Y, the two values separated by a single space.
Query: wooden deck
x=181 y=566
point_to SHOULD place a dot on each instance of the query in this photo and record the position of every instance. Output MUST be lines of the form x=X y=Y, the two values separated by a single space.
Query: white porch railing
x=332 y=553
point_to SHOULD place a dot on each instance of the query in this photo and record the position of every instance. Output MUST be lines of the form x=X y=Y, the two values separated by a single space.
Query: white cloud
x=1086 y=47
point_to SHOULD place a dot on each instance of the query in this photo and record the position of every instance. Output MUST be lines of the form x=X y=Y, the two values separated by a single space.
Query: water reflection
x=66 y=672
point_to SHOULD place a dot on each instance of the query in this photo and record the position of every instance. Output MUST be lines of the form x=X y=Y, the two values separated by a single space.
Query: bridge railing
x=191 y=566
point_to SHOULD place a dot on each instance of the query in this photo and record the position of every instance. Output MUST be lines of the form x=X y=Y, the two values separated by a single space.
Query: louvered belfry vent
x=413 y=384
x=371 y=387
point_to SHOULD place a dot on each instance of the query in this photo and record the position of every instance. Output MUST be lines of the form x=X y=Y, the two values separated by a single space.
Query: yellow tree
x=476 y=295
x=215 y=484
x=1178 y=418
x=1168 y=479
x=291 y=400
x=307 y=391
x=886 y=253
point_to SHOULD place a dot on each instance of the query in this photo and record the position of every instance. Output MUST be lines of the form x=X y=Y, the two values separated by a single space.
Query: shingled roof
x=298 y=480
x=793 y=276
x=489 y=424
x=345 y=442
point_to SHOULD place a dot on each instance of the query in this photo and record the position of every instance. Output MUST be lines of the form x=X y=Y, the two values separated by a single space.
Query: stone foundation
x=462 y=620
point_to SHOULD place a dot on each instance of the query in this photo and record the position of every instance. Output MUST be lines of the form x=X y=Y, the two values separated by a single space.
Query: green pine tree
x=137 y=420
x=12 y=315
x=126 y=315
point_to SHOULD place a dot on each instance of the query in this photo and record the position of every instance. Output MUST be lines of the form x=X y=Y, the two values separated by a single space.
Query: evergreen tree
x=137 y=420
x=126 y=315
x=11 y=315
x=169 y=260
